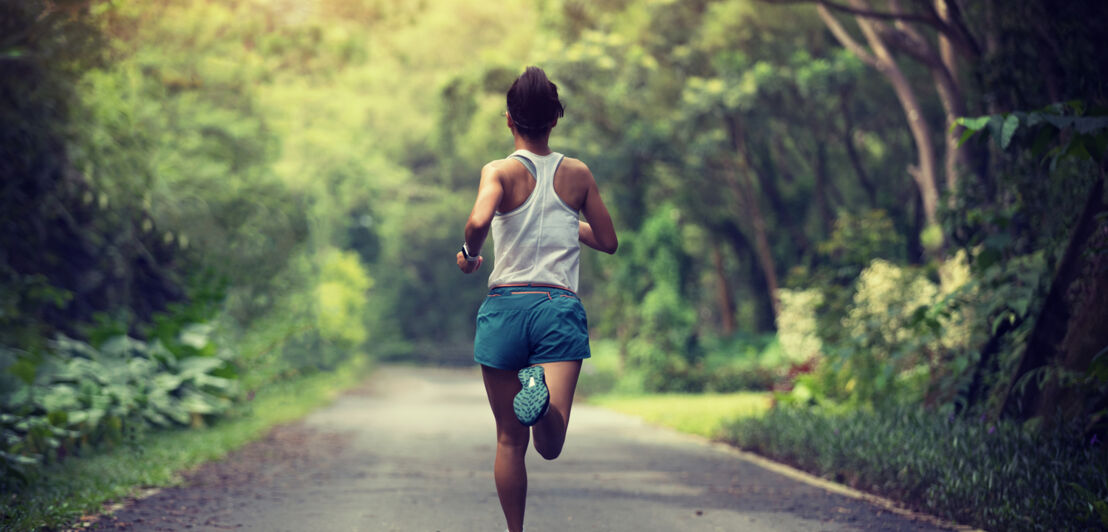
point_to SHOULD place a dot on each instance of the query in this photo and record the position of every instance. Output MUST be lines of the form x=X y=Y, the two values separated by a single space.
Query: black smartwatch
x=465 y=253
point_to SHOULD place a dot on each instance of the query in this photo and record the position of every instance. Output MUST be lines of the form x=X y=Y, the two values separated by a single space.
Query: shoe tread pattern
x=531 y=403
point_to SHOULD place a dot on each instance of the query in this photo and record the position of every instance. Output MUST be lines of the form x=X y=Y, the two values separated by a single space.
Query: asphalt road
x=412 y=450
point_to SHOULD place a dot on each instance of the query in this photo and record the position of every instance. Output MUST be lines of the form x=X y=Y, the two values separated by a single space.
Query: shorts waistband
x=524 y=287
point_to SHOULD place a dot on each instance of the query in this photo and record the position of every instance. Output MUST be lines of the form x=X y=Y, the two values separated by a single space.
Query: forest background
x=860 y=206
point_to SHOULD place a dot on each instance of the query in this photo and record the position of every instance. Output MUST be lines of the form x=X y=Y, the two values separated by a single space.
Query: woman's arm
x=586 y=236
x=598 y=232
x=480 y=218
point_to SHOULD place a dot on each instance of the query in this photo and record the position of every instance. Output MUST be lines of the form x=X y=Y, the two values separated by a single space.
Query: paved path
x=412 y=451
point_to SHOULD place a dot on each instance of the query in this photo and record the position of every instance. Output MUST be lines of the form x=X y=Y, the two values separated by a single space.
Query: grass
x=702 y=414
x=81 y=485
x=996 y=475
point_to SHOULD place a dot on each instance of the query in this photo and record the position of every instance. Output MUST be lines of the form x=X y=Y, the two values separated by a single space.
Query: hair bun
x=533 y=103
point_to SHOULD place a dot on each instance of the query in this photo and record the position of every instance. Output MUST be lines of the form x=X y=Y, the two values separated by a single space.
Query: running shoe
x=532 y=402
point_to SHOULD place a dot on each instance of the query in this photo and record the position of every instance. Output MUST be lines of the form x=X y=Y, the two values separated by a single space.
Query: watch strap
x=467 y=255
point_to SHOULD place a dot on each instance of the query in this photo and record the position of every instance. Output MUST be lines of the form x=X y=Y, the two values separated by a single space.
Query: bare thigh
x=501 y=386
x=561 y=380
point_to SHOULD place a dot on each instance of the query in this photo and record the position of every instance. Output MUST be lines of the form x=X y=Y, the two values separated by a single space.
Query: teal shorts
x=520 y=326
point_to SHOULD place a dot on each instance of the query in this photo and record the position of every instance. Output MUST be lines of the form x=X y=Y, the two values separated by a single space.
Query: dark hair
x=533 y=103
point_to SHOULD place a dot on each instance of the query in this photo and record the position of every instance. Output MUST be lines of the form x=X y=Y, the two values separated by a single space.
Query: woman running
x=532 y=333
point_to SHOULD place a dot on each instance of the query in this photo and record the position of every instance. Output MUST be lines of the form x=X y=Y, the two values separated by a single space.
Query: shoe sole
x=532 y=402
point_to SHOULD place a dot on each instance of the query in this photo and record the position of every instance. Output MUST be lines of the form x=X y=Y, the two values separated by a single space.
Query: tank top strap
x=541 y=167
x=527 y=163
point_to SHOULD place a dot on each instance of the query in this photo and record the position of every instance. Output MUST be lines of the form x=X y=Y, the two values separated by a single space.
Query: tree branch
x=881 y=15
x=957 y=30
x=843 y=37
x=966 y=39
x=916 y=49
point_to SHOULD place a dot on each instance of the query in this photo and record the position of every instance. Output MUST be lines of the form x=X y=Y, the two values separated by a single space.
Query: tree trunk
x=738 y=179
x=852 y=152
x=1057 y=326
x=740 y=185
x=825 y=190
x=723 y=292
x=945 y=74
x=767 y=175
x=882 y=60
x=743 y=249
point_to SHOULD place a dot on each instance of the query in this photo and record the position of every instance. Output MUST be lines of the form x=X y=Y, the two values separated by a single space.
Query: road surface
x=412 y=450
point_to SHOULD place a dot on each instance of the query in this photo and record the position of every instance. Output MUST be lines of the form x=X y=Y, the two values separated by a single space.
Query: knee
x=512 y=443
x=548 y=452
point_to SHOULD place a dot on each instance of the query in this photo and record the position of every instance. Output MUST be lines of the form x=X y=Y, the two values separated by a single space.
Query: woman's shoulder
x=497 y=167
x=495 y=164
x=576 y=170
x=576 y=166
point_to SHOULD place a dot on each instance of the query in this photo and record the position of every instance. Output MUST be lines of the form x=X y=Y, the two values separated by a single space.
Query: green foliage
x=82 y=396
x=601 y=372
x=996 y=475
x=341 y=296
x=1042 y=131
x=664 y=354
x=700 y=414
x=858 y=238
x=884 y=348
x=1055 y=156
x=743 y=363
x=285 y=153
x=899 y=330
x=798 y=328
x=738 y=364
x=57 y=494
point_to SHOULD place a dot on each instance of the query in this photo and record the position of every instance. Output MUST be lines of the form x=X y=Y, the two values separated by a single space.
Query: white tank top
x=537 y=242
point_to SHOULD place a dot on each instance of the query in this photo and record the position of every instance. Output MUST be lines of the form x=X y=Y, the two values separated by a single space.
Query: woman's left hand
x=469 y=267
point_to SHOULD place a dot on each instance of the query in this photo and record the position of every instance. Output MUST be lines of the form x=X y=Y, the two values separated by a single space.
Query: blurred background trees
x=854 y=202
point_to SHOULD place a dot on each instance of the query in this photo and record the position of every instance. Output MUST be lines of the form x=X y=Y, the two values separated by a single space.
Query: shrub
x=899 y=328
x=601 y=372
x=797 y=328
x=341 y=298
x=995 y=475
x=77 y=395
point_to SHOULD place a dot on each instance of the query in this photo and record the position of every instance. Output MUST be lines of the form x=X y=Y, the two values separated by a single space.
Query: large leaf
x=974 y=124
x=191 y=367
x=1011 y=123
x=196 y=335
x=167 y=382
x=201 y=403
x=60 y=397
x=123 y=347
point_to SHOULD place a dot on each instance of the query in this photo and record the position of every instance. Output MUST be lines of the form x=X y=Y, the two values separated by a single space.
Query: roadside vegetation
x=703 y=414
x=84 y=483
x=700 y=414
x=856 y=210
x=996 y=475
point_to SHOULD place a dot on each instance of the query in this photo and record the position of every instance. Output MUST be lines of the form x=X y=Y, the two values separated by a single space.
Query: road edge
x=826 y=485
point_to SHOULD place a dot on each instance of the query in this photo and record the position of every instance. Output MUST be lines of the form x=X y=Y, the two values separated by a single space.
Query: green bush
x=77 y=396
x=600 y=373
x=722 y=365
x=994 y=475
x=899 y=332
x=742 y=363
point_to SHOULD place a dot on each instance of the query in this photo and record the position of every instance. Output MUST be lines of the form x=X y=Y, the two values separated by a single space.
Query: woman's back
x=535 y=235
x=570 y=182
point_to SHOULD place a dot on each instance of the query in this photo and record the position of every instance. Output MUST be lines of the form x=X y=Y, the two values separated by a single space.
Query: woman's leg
x=550 y=431
x=511 y=445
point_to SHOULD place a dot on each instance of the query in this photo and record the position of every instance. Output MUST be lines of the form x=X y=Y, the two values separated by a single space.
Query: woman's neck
x=537 y=147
